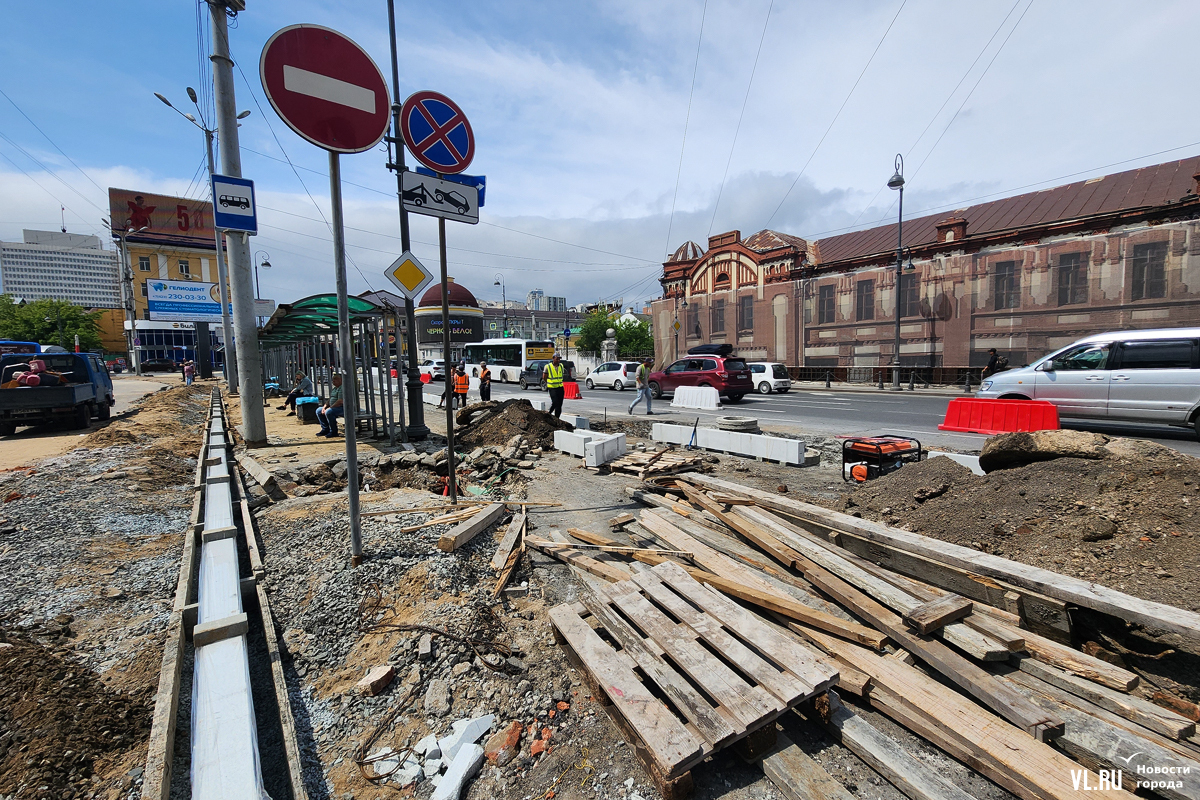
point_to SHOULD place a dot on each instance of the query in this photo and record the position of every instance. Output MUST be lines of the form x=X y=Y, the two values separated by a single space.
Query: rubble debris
x=507 y=420
x=461 y=769
x=505 y=744
x=376 y=680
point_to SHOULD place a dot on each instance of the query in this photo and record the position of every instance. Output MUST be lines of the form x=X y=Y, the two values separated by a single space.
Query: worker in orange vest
x=461 y=384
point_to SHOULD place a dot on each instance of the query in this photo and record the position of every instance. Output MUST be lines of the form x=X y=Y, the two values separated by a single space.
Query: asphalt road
x=834 y=413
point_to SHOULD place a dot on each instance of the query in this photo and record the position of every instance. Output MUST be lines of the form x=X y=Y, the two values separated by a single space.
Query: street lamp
x=503 y=300
x=897 y=182
x=127 y=293
x=229 y=362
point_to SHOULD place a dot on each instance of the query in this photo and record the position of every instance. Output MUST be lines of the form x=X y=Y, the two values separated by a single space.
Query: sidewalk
x=935 y=391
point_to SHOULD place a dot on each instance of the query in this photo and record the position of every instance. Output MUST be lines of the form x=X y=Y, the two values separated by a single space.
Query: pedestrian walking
x=462 y=385
x=189 y=373
x=553 y=375
x=642 y=378
x=485 y=382
x=328 y=414
x=303 y=388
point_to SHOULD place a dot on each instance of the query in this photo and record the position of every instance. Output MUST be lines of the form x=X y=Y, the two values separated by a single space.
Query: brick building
x=1026 y=274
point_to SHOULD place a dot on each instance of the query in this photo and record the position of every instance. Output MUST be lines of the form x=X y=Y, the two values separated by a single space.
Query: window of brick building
x=144 y=263
x=145 y=290
x=692 y=327
x=1072 y=279
x=1149 y=267
x=864 y=297
x=825 y=305
x=910 y=295
x=184 y=267
x=721 y=281
x=745 y=313
x=718 y=315
x=1008 y=285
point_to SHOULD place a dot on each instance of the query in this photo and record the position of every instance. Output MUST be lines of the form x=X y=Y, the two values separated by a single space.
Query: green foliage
x=49 y=322
x=634 y=339
x=592 y=331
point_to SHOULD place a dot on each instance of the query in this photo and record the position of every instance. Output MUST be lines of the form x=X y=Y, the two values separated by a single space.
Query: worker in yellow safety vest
x=552 y=376
x=461 y=384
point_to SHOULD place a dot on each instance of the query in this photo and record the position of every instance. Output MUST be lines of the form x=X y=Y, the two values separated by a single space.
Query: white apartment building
x=60 y=266
x=537 y=300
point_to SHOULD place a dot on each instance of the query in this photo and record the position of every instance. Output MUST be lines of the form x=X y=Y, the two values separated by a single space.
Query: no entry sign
x=325 y=87
x=437 y=132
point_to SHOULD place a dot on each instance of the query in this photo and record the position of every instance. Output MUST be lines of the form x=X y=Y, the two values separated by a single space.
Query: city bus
x=506 y=357
x=9 y=346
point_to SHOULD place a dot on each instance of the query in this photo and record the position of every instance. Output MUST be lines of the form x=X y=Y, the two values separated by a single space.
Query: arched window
x=722 y=281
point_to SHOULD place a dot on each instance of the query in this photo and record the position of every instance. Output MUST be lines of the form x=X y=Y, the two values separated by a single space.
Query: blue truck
x=86 y=392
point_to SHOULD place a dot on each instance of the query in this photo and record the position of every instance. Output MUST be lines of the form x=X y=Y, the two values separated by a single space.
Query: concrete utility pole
x=254 y=424
x=230 y=359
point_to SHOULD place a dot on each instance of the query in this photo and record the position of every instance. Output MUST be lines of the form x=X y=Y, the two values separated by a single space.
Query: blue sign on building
x=233 y=204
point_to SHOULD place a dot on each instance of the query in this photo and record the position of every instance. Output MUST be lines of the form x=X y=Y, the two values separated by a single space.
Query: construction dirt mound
x=1124 y=520
x=60 y=725
x=497 y=424
x=177 y=413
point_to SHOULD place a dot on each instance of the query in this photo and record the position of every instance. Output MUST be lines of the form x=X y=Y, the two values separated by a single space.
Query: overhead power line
x=686 y=121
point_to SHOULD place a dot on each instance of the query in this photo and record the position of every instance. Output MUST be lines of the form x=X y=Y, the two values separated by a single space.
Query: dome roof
x=688 y=251
x=459 y=295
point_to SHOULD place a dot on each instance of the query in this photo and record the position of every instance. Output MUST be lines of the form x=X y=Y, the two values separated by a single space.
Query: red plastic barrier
x=976 y=415
x=571 y=391
x=425 y=377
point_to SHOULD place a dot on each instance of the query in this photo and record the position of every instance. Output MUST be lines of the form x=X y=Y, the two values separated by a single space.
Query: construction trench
x=669 y=624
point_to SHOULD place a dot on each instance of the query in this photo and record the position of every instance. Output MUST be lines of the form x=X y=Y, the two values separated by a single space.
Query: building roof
x=459 y=296
x=688 y=251
x=766 y=240
x=1156 y=185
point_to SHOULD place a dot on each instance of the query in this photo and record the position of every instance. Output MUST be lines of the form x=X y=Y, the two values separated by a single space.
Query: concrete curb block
x=752 y=445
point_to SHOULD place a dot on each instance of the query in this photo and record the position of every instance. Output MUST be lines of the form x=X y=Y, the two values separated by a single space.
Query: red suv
x=729 y=375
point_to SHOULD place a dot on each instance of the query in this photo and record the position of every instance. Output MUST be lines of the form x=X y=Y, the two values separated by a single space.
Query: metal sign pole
x=450 y=479
x=346 y=352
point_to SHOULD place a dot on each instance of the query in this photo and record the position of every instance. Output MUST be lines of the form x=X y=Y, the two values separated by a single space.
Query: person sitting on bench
x=303 y=388
x=328 y=414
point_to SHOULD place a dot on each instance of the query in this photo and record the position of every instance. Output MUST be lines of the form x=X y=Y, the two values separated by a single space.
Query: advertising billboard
x=162 y=216
x=184 y=301
x=462 y=329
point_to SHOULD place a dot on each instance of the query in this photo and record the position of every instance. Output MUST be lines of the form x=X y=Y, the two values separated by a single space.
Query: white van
x=1134 y=376
x=770 y=376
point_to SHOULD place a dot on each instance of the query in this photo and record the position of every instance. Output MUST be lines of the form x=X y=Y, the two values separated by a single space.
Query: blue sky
x=579 y=111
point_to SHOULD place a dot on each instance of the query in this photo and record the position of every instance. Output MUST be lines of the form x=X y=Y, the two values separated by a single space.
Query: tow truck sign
x=435 y=197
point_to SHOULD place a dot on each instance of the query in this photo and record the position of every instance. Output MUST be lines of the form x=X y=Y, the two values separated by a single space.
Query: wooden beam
x=576 y=558
x=508 y=541
x=1062 y=587
x=466 y=531
x=798 y=777
x=1078 y=663
x=936 y=614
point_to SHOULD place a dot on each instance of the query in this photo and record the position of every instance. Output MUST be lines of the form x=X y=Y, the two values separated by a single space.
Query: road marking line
x=323 y=87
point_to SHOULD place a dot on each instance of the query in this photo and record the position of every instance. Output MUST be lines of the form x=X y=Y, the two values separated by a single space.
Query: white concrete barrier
x=753 y=445
x=702 y=397
x=578 y=420
x=602 y=450
x=970 y=462
x=573 y=443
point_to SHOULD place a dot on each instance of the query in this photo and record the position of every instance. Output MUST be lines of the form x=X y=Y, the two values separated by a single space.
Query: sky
x=610 y=131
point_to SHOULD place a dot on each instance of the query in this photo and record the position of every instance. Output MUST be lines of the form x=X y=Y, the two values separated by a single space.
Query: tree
x=594 y=331
x=49 y=322
x=634 y=339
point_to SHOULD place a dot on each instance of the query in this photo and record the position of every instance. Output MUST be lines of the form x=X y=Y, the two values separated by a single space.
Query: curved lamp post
x=897 y=182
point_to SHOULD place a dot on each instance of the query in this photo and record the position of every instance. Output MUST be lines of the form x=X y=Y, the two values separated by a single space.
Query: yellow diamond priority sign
x=409 y=275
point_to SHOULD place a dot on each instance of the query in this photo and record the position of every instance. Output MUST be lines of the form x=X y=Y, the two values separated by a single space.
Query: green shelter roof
x=312 y=316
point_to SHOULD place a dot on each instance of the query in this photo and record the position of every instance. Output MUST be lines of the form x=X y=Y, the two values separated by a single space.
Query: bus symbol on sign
x=227 y=200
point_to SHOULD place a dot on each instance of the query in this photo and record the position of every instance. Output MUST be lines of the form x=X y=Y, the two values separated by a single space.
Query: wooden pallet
x=664 y=462
x=685 y=670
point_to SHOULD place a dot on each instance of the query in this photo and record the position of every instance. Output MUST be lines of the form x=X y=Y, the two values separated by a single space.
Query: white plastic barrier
x=754 y=445
x=705 y=398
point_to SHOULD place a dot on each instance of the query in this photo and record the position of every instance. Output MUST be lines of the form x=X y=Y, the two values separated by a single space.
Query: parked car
x=532 y=374
x=1136 y=376
x=72 y=388
x=729 y=375
x=613 y=374
x=160 y=365
x=434 y=368
x=770 y=376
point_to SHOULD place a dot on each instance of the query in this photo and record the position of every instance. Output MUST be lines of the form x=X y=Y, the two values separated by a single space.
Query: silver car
x=1132 y=376
x=613 y=374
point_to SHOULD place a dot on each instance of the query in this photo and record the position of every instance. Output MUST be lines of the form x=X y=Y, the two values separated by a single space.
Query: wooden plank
x=1004 y=753
x=1101 y=745
x=715 y=727
x=576 y=558
x=660 y=732
x=579 y=533
x=508 y=541
x=968 y=676
x=1078 y=663
x=747 y=704
x=510 y=565
x=704 y=556
x=789 y=654
x=621 y=520
x=798 y=777
x=446 y=519
x=1158 y=616
x=967 y=639
x=466 y=531
x=1131 y=707
x=788 y=688
x=935 y=614
x=916 y=779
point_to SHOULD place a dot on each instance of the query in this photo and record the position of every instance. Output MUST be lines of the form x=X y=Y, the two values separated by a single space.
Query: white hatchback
x=1136 y=376
x=613 y=374
x=770 y=376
